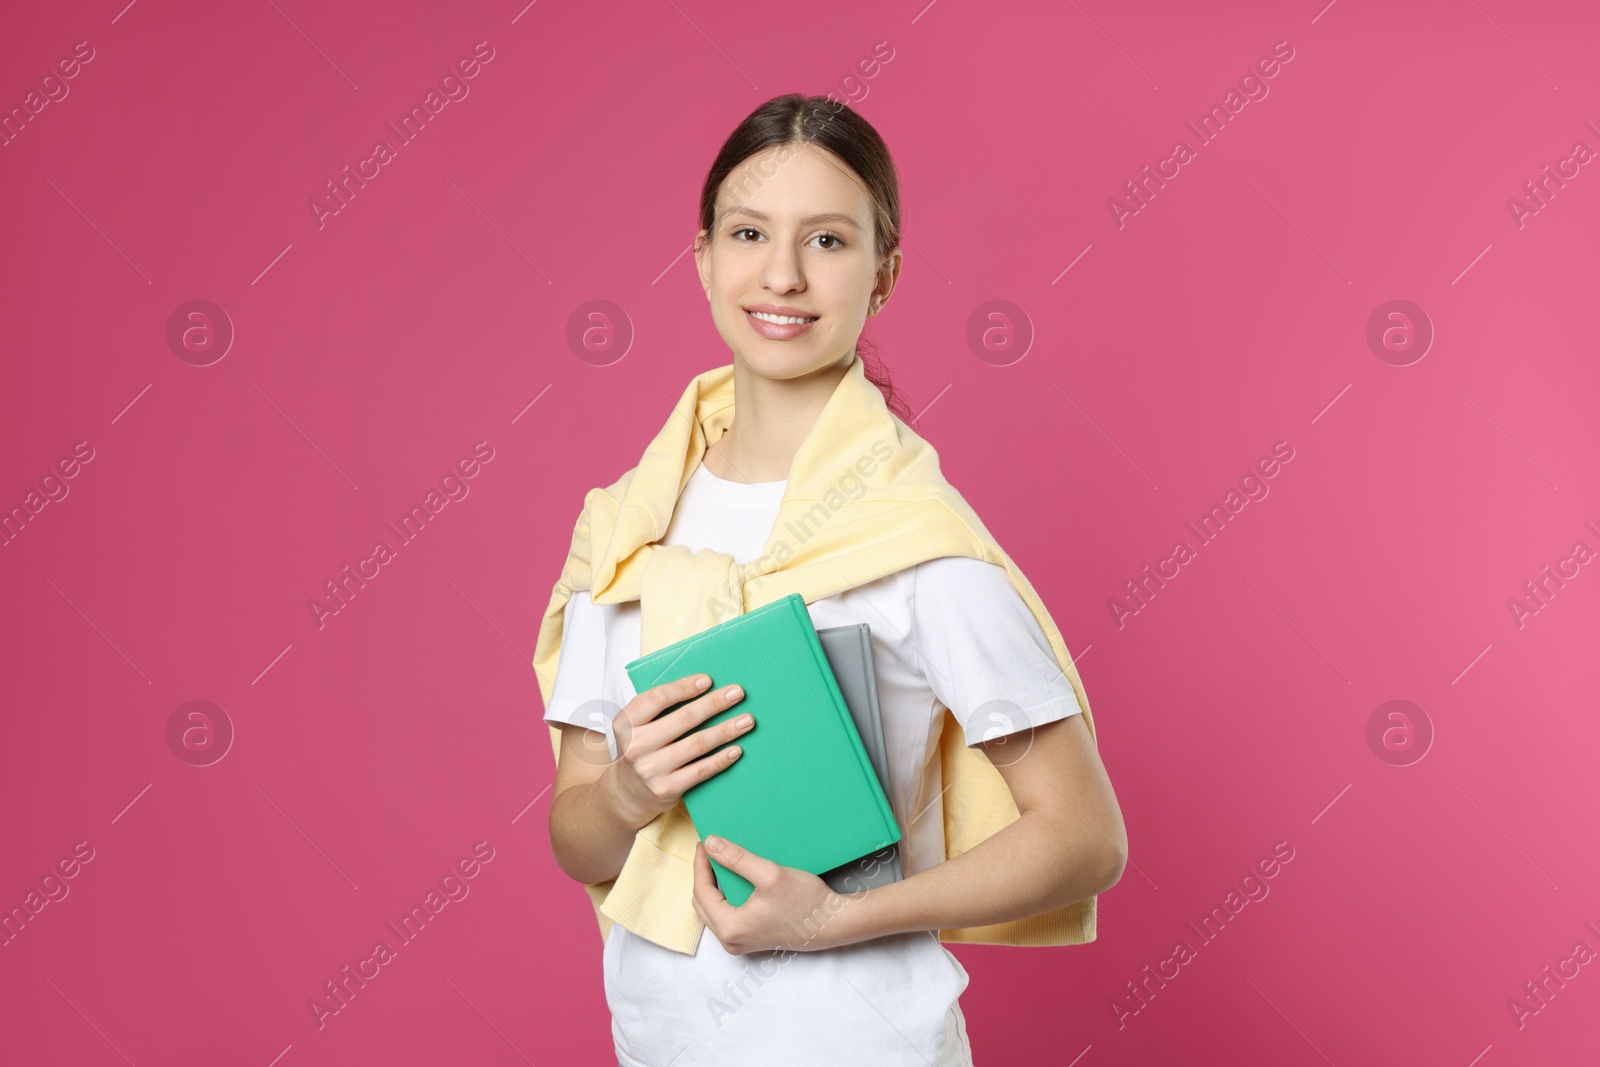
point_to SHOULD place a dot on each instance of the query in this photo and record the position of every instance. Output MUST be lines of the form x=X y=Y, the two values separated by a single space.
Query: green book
x=804 y=792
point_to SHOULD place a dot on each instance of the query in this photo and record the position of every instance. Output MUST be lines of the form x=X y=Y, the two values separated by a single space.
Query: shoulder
x=973 y=599
x=947 y=577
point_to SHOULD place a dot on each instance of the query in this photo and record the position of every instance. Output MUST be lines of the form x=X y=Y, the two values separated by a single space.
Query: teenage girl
x=798 y=247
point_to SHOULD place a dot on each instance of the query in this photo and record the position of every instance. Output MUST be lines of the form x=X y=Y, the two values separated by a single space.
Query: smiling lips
x=779 y=324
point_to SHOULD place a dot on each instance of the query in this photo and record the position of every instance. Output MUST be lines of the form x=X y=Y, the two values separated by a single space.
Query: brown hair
x=799 y=119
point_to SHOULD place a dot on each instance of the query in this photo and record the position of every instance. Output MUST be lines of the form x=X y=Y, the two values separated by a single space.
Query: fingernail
x=733 y=692
x=714 y=843
x=701 y=682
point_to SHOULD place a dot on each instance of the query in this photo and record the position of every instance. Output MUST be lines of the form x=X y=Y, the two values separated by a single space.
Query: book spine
x=845 y=722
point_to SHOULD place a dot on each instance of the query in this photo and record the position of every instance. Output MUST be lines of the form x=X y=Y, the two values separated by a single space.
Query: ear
x=888 y=275
x=702 y=252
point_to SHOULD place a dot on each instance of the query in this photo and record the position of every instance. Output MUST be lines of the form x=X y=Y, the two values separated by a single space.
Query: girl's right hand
x=654 y=767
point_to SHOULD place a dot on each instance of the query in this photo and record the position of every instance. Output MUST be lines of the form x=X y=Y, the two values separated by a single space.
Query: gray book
x=849 y=653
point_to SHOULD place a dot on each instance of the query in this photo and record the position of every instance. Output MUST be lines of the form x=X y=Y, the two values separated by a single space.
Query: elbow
x=562 y=863
x=1113 y=851
x=1113 y=858
x=1111 y=865
x=563 y=857
x=576 y=871
x=575 y=863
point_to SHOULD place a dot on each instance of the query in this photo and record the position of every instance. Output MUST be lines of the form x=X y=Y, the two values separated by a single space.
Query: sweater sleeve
x=982 y=653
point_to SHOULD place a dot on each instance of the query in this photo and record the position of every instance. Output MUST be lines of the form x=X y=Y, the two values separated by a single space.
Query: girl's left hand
x=789 y=908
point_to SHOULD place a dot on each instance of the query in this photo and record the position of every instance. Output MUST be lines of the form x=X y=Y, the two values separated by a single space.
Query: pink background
x=371 y=353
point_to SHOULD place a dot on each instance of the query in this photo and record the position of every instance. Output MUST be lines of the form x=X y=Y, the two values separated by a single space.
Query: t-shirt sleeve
x=575 y=695
x=982 y=652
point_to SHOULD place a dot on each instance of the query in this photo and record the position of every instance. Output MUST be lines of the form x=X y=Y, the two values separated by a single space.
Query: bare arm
x=598 y=805
x=588 y=834
x=1068 y=845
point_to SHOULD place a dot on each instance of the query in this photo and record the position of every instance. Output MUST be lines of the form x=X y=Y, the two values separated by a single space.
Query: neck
x=772 y=418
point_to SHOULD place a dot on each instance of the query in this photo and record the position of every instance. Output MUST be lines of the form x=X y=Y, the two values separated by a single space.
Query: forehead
x=794 y=183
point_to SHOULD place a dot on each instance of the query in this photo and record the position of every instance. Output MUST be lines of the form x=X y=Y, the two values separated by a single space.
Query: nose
x=781 y=272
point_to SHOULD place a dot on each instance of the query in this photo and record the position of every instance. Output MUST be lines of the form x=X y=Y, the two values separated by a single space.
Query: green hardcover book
x=804 y=792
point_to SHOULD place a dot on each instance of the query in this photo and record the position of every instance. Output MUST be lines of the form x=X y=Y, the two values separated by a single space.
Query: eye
x=837 y=241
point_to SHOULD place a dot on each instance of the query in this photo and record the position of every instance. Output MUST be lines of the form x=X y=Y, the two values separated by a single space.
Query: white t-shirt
x=948 y=632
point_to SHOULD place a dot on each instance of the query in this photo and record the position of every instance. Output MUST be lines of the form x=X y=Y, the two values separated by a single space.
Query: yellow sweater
x=859 y=516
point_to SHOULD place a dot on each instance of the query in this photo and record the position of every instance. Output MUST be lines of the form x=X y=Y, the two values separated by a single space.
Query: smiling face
x=793 y=238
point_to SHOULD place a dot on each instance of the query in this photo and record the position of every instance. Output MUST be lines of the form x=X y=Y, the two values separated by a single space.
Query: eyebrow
x=826 y=216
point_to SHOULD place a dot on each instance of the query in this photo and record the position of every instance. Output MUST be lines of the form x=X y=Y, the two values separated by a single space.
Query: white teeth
x=782 y=320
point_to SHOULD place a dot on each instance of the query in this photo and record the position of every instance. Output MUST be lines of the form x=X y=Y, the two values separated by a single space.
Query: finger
x=696 y=743
x=694 y=898
x=653 y=701
x=757 y=870
x=707 y=897
x=682 y=721
x=697 y=770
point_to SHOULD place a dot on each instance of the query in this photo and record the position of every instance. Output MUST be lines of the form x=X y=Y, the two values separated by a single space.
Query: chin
x=781 y=363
